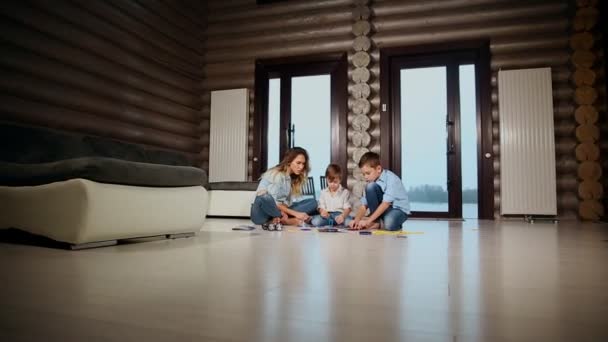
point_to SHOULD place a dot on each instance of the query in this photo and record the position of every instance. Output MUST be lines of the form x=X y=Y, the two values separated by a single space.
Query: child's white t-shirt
x=337 y=201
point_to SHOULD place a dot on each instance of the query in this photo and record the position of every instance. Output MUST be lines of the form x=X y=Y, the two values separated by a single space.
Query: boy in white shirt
x=334 y=205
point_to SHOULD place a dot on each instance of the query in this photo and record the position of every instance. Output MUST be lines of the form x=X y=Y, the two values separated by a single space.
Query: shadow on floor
x=20 y=237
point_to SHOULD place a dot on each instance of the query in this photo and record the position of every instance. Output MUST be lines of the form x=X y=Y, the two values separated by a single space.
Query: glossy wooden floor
x=458 y=281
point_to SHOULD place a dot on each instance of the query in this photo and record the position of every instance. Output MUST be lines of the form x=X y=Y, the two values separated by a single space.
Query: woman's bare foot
x=291 y=221
x=375 y=225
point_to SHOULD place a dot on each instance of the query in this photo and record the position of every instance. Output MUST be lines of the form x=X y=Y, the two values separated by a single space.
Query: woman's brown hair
x=296 y=180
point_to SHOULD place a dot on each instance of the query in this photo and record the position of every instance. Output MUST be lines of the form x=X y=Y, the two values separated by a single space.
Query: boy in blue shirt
x=385 y=197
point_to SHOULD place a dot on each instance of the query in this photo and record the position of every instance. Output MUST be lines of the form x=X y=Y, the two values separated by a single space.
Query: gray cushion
x=242 y=186
x=103 y=170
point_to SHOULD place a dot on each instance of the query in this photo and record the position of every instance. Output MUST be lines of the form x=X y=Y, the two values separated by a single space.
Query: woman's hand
x=340 y=219
x=323 y=213
x=302 y=216
x=353 y=224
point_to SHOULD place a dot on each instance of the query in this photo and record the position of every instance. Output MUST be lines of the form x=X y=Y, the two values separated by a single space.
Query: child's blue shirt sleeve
x=393 y=191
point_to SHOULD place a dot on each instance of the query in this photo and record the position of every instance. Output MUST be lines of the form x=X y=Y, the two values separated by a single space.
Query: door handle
x=291 y=130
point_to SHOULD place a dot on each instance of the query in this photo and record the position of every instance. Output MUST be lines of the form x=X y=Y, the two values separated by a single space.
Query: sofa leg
x=93 y=245
x=179 y=235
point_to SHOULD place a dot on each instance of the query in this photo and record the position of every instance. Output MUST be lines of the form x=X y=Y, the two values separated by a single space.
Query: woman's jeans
x=393 y=218
x=264 y=208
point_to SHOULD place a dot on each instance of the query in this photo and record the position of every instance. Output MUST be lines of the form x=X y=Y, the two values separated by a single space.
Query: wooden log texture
x=361 y=12
x=587 y=151
x=360 y=139
x=16 y=109
x=361 y=106
x=434 y=34
x=586 y=114
x=361 y=59
x=590 y=190
x=223 y=11
x=590 y=210
x=569 y=183
x=362 y=43
x=587 y=133
x=361 y=91
x=130 y=71
x=361 y=2
x=584 y=77
x=585 y=95
x=581 y=41
x=358 y=188
x=583 y=59
x=361 y=28
x=585 y=19
x=360 y=75
x=46 y=74
x=91 y=42
x=457 y=18
x=56 y=94
x=589 y=170
x=357 y=174
x=361 y=122
x=585 y=3
x=359 y=152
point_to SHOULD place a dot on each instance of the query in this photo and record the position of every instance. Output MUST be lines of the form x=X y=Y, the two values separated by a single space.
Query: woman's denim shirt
x=278 y=185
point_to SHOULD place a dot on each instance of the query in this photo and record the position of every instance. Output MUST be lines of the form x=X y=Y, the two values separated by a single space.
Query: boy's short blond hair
x=332 y=172
x=371 y=159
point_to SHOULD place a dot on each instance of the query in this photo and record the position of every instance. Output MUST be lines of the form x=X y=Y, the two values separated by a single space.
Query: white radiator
x=228 y=132
x=527 y=143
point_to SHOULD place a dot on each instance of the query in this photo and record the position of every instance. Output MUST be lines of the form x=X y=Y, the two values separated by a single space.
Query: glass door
x=435 y=103
x=425 y=138
x=437 y=127
x=301 y=104
x=305 y=123
x=311 y=121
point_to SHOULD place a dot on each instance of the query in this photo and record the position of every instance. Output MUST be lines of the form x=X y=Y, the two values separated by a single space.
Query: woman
x=278 y=187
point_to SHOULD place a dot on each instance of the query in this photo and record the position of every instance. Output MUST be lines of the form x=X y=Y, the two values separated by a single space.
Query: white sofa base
x=79 y=211
x=236 y=203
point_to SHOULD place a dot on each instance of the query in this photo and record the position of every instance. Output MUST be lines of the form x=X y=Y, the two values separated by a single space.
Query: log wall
x=127 y=70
